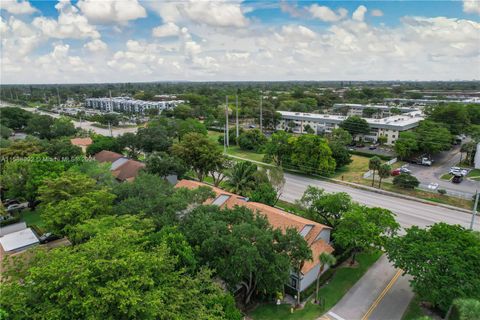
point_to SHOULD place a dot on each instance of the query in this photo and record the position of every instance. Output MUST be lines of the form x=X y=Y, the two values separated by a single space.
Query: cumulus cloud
x=17 y=7
x=326 y=14
x=220 y=13
x=376 y=13
x=359 y=14
x=471 y=6
x=96 y=45
x=110 y=11
x=18 y=38
x=70 y=24
x=291 y=9
x=168 y=29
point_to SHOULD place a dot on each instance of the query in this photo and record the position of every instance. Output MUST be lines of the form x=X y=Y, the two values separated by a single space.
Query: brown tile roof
x=107 y=156
x=81 y=141
x=128 y=171
x=278 y=218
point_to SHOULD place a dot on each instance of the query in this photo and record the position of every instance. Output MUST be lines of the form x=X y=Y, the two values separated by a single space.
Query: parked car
x=372 y=147
x=396 y=172
x=8 y=202
x=47 y=237
x=457 y=179
x=433 y=186
x=405 y=170
x=17 y=207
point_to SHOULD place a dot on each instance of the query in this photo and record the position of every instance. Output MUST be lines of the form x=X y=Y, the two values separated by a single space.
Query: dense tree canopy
x=252 y=140
x=278 y=148
x=311 y=154
x=355 y=125
x=443 y=261
x=14 y=118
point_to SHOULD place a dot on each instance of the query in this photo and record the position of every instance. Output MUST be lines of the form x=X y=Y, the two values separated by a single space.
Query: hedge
x=371 y=155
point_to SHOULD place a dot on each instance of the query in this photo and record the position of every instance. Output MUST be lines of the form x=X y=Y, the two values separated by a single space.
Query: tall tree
x=443 y=261
x=241 y=178
x=311 y=154
x=406 y=144
x=40 y=126
x=374 y=164
x=198 y=152
x=384 y=172
x=355 y=126
x=14 y=117
x=278 y=148
x=364 y=228
x=342 y=136
x=325 y=259
x=131 y=143
x=163 y=164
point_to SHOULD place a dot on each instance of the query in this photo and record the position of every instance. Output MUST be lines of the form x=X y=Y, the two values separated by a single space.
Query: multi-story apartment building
x=381 y=111
x=122 y=104
x=390 y=127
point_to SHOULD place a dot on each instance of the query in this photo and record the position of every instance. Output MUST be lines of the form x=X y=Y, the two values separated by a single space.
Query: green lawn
x=32 y=218
x=235 y=150
x=446 y=176
x=340 y=283
x=474 y=173
x=413 y=311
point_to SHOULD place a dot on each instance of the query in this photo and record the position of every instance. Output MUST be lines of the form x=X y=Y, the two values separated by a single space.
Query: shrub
x=406 y=181
x=442 y=191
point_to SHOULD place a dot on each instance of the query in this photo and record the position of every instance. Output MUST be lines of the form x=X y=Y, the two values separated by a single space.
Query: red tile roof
x=128 y=171
x=278 y=218
x=81 y=141
x=107 y=156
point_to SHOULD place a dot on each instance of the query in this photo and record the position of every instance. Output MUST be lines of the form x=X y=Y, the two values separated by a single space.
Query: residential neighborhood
x=239 y=160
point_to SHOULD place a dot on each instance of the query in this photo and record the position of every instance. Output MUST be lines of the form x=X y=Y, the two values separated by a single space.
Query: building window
x=393 y=136
x=293 y=282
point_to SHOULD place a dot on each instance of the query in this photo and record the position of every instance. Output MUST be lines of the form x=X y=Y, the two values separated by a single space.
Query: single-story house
x=18 y=240
x=122 y=168
x=82 y=143
x=317 y=235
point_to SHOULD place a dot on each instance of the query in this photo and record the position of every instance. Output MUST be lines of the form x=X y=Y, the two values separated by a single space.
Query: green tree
x=40 y=126
x=163 y=164
x=22 y=148
x=278 y=149
x=62 y=148
x=100 y=172
x=406 y=145
x=341 y=136
x=62 y=127
x=14 y=117
x=340 y=154
x=443 y=261
x=454 y=116
x=183 y=112
x=433 y=137
x=465 y=309
x=325 y=208
x=101 y=143
x=363 y=228
x=68 y=185
x=131 y=143
x=384 y=171
x=197 y=151
x=325 y=259
x=374 y=164
x=382 y=140
x=115 y=275
x=311 y=154
x=252 y=140
x=264 y=193
x=154 y=138
x=355 y=126
x=245 y=249
x=191 y=125
x=5 y=132
x=406 y=181
x=241 y=178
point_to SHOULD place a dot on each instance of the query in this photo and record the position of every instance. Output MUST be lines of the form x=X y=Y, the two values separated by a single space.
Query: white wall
x=311 y=277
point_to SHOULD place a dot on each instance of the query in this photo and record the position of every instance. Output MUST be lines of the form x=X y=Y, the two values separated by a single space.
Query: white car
x=405 y=170
x=433 y=186
x=454 y=170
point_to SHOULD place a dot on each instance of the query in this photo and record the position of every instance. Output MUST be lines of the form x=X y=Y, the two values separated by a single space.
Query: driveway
x=443 y=162
x=382 y=293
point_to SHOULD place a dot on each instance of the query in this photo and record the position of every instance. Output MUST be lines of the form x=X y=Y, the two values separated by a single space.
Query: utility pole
x=261 y=113
x=236 y=108
x=474 y=211
x=58 y=97
x=110 y=129
x=226 y=123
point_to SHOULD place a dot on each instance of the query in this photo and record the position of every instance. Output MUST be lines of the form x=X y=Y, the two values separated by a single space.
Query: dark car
x=47 y=237
x=372 y=147
x=457 y=179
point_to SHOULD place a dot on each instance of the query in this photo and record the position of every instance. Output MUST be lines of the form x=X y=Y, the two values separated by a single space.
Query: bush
x=10 y=221
x=406 y=181
x=442 y=191
x=252 y=140
x=371 y=155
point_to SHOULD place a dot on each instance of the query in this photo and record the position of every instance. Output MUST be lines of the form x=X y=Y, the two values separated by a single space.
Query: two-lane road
x=408 y=212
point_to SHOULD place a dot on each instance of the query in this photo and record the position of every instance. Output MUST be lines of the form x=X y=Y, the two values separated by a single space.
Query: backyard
x=343 y=279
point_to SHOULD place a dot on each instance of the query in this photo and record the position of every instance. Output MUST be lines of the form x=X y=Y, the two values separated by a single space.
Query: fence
x=369 y=173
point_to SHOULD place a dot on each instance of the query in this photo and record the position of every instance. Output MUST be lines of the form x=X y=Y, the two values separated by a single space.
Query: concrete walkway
x=382 y=293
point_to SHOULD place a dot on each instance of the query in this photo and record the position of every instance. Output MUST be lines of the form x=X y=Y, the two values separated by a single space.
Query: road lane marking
x=336 y=316
x=382 y=294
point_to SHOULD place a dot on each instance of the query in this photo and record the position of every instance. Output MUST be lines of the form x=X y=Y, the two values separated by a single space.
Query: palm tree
x=326 y=259
x=241 y=178
x=383 y=172
x=373 y=165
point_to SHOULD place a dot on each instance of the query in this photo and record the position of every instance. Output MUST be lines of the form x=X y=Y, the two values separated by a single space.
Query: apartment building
x=124 y=104
x=379 y=111
x=389 y=127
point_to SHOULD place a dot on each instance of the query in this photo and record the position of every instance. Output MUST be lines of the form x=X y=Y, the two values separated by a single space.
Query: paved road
x=382 y=293
x=408 y=212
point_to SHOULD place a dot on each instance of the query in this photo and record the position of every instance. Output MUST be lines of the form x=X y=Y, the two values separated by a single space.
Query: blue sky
x=134 y=40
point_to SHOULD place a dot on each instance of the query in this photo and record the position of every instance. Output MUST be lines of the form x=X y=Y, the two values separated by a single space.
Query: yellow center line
x=382 y=294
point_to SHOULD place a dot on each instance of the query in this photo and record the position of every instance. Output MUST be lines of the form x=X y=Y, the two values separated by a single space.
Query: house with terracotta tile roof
x=315 y=234
x=122 y=168
x=82 y=143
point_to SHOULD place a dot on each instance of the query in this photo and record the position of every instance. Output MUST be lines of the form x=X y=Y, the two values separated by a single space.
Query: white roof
x=19 y=239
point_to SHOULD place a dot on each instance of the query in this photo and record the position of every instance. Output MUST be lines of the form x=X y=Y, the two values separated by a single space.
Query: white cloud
x=96 y=45
x=471 y=6
x=298 y=32
x=220 y=13
x=376 y=13
x=359 y=14
x=110 y=11
x=70 y=24
x=326 y=14
x=168 y=29
x=18 y=38
x=17 y=6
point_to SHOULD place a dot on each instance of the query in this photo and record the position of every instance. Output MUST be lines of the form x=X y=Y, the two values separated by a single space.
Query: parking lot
x=443 y=162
